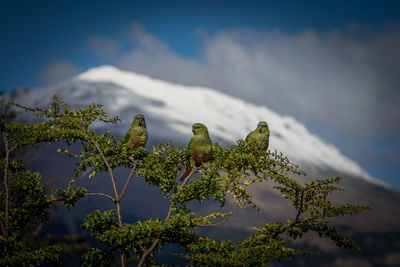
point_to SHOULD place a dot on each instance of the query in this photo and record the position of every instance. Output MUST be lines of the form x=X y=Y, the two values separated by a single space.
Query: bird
x=199 y=148
x=259 y=138
x=137 y=134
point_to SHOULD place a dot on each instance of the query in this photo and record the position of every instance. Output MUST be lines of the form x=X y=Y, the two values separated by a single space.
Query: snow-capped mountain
x=170 y=110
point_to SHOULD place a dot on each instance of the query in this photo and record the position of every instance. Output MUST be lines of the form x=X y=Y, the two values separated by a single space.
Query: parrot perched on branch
x=199 y=148
x=137 y=133
x=259 y=138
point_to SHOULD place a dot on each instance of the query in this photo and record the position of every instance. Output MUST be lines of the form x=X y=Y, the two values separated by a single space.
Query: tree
x=25 y=204
x=23 y=201
x=228 y=174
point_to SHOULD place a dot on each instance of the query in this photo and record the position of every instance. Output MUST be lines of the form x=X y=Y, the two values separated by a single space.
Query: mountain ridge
x=170 y=110
x=176 y=107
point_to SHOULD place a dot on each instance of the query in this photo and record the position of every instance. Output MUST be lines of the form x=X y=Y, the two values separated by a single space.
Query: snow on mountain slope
x=178 y=107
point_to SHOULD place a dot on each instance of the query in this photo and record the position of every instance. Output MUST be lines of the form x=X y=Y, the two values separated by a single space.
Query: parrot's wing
x=127 y=136
x=251 y=137
x=191 y=147
x=248 y=137
x=188 y=160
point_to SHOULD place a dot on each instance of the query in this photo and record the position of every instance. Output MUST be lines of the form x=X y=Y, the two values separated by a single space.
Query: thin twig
x=218 y=223
x=147 y=252
x=69 y=154
x=155 y=243
x=116 y=199
x=96 y=145
x=193 y=196
x=179 y=190
x=299 y=212
x=140 y=246
x=128 y=180
x=102 y=195
x=300 y=205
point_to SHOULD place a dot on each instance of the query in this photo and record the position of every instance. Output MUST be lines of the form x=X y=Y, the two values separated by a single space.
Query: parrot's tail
x=187 y=172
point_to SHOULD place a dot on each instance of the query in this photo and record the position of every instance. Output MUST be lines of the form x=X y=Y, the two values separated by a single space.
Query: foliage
x=228 y=174
x=24 y=204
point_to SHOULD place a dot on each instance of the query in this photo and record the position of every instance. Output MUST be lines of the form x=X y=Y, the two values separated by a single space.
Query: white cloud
x=343 y=84
x=336 y=79
x=58 y=71
x=103 y=47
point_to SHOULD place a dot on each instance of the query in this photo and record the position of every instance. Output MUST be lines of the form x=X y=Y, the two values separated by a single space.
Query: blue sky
x=343 y=53
x=36 y=32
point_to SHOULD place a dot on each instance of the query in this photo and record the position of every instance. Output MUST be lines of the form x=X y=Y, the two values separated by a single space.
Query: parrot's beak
x=259 y=128
x=141 y=121
x=193 y=129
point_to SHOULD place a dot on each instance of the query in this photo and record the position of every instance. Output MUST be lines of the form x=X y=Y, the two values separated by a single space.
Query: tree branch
x=179 y=190
x=155 y=243
x=218 y=223
x=128 y=180
x=193 y=196
x=96 y=145
x=73 y=155
x=300 y=205
x=102 y=195
x=116 y=199
x=140 y=246
x=299 y=209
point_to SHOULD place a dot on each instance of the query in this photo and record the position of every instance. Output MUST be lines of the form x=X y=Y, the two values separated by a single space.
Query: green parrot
x=137 y=133
x=199 y=148
x=259 y=138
